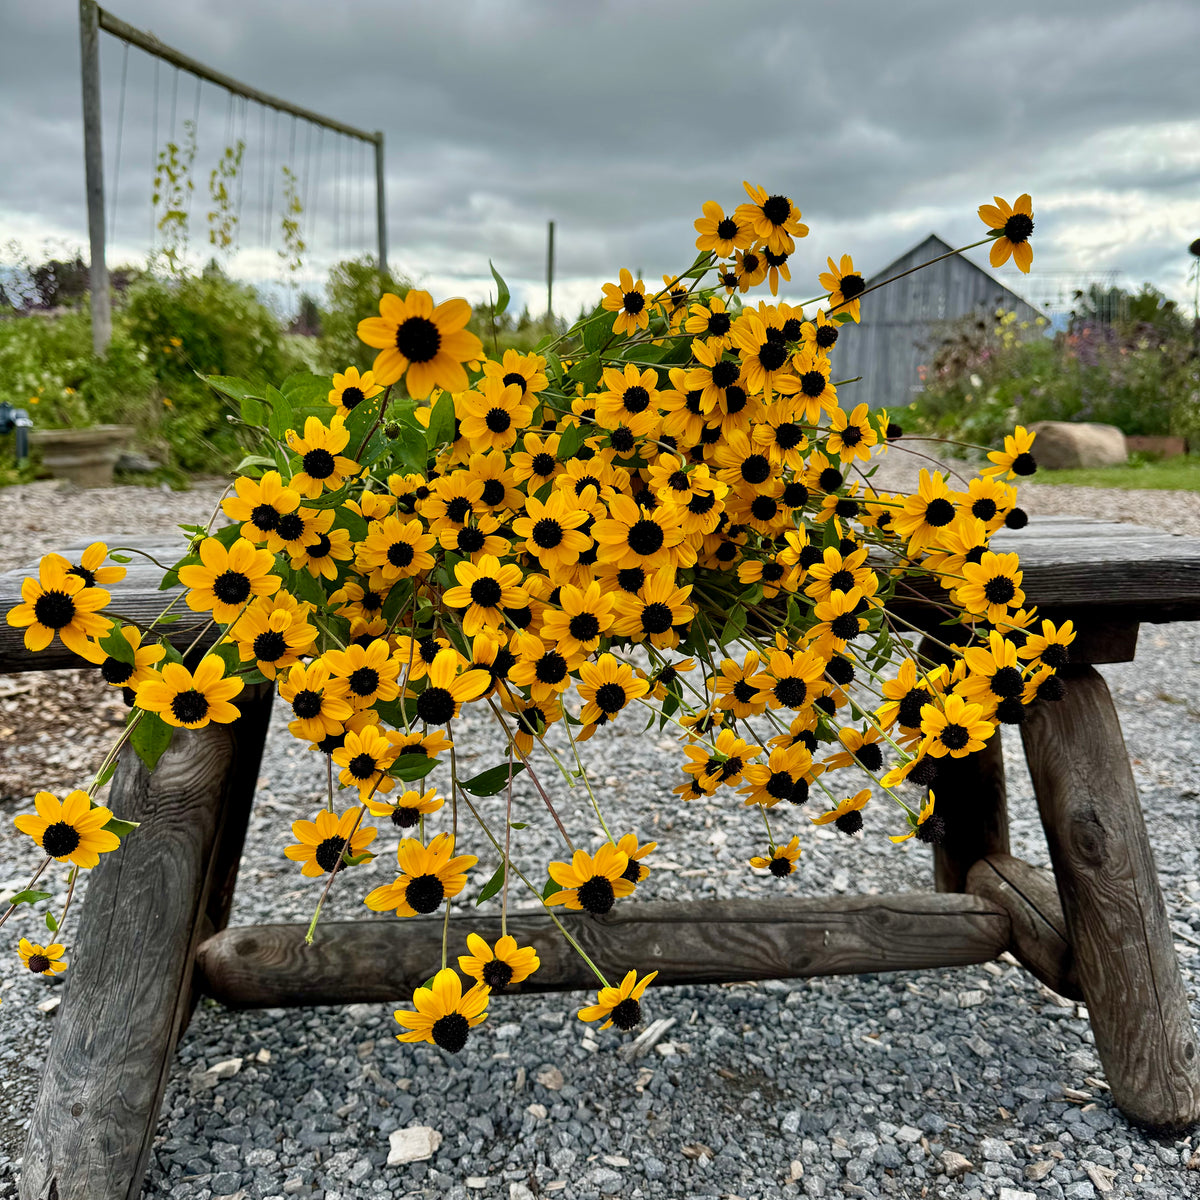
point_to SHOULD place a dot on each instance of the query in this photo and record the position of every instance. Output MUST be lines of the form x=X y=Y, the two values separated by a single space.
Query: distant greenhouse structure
x=899 y=324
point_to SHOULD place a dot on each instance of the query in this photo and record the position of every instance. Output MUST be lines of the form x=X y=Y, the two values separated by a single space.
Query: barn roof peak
x=931 y=246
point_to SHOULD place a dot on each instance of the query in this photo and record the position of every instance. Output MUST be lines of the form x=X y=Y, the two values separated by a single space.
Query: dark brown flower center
x=329 y=852
x=54 y=609
x=451 y=1031
x=596 y=895
x=231 y=587
x=190 y=707
x=418 y=339
x=424 y=893
x=60 y=839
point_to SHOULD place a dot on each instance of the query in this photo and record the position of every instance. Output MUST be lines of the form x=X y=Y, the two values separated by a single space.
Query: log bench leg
x=128 y=993
x=972 y=801
x=1114 y=912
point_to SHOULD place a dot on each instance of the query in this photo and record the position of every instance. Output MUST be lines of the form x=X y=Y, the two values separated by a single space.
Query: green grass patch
x=1172 y=474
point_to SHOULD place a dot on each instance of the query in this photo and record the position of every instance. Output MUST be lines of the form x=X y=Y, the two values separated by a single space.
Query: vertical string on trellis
x=270 y=209
x=241 y=176
x=337 y=207
x=154 y=160
x=187 y=200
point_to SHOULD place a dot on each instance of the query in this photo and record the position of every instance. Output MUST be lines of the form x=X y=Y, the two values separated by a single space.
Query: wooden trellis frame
x=1095 y=928
x=93 y=19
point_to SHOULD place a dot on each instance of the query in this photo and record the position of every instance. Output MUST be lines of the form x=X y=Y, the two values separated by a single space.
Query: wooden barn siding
x=888 y=347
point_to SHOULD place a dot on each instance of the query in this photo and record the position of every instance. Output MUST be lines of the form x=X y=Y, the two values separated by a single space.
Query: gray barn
x=899 y=322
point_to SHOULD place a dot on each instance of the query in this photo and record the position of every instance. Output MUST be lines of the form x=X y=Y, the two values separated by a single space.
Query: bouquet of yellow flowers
x=665 y=514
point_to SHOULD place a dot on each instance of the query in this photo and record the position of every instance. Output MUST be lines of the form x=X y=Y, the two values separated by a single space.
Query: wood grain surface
x=128 y=993
x=384 y=959
x=1099 y=573
x=1116 y=921
x=1039 y=934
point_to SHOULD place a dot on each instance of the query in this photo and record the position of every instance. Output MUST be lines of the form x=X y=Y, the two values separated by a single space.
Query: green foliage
x=1126 y=360
x=294 y=244
x=222 y=217
x=173 y=187
x=351 y=293
x=165 y=330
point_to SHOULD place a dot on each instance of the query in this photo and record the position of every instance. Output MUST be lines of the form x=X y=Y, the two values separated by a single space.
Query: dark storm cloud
x=617 y=119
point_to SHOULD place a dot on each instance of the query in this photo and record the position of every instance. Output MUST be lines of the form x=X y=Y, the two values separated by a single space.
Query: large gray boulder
x=1062 y=444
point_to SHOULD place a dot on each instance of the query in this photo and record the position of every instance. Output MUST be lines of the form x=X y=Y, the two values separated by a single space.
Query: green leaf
x=492 y=886
x=518 y=825
x=304 y=586
x=396 y=598
x=354 y=860
x=230 y=385
x=106 y=774
x=491 y=781
x=254 y=460
x=550 y=888
x=280 y=420
x=305 y=390
x=597 y=333
x=502 y=296
x=28 y=896
x=351 y=522
x=587 y=372
x=119 y=827
x=412 y=455
x=115 y=645
x=428 y=984
x=412 y=766
x=569 y=442
x=733 y=626
x=254 y=412
x=441 y=422
x=51 y=922
x=150 y=739
x=121 y=558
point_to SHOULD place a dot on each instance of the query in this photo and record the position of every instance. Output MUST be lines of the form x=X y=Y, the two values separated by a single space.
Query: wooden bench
x=152 y=936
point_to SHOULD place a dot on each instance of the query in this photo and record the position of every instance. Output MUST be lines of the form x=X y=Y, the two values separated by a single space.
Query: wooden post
x=93 y=163
x=380 y=204
x=129 y=993
x=550 y=271
x=1114 y=912
x=972 y=801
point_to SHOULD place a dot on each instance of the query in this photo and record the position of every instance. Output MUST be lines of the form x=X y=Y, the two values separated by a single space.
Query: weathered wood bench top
x=1106 y=576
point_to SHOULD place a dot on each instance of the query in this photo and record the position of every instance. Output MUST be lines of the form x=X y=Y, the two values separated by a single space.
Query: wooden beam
x=380 y=204
x=266 y=966
x=151 y=45
x=93 y=166
x=1115 y=917
x=1039 y=934
x=129 y=992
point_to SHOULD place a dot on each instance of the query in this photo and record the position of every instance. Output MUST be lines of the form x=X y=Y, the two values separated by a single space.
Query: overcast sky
x=884 y=122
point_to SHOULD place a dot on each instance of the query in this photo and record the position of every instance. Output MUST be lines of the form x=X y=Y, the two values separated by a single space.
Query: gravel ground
x=853 y=1086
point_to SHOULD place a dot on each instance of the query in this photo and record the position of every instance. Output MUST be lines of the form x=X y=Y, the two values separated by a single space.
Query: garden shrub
x=1137 y=371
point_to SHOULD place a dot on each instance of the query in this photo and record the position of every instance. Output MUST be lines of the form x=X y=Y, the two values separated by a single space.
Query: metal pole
x=380 y=203
x=93 y=161
x=550 y=272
